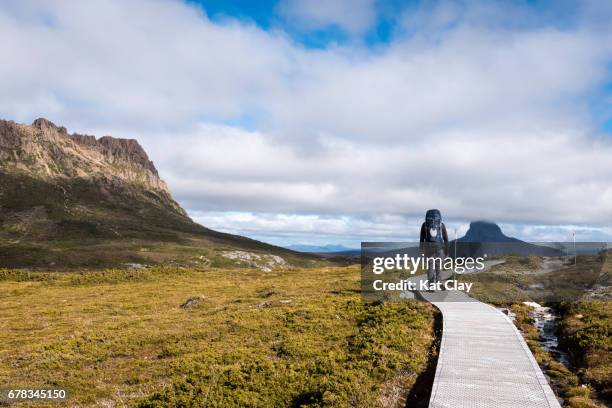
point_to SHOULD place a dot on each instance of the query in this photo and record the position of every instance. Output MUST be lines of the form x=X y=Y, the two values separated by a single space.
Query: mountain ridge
x=37 y=147
x=328 y=248
x=77 y=200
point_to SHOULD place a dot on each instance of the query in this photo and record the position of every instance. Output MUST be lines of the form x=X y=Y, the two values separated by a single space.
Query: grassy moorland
x=586 y=332
x=215 y=337
x=55 y=225
x=520 y=279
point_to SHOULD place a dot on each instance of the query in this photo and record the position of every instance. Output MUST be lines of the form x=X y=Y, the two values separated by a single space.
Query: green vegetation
x=80 y=224
x=515 y=262
x=220 y=337
x=586 y=332
x=521 y=279
x=501 y=289
x=566 y=384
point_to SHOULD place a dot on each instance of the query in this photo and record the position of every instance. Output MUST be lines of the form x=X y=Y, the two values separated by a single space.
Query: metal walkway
x=484 y=362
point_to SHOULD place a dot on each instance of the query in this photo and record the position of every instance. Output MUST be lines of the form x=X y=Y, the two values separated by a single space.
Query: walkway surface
x=484 y=360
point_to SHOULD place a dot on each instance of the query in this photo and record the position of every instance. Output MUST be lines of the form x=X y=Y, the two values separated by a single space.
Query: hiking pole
x=455 y=260
x=575 y=254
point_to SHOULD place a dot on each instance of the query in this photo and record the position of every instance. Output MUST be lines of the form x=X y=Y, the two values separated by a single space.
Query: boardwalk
x=484 y=360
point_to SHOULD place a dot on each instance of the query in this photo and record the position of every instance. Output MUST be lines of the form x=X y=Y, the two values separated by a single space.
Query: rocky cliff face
x=46 y=150
x=60 y=186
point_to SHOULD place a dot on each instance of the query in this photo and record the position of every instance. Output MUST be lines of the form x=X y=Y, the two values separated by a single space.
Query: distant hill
x=320 y=248
x=72 y=200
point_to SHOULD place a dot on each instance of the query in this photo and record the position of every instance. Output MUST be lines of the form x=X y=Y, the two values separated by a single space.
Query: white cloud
x=138 y=64
x=537 y=178
x=282 y=228
x=478 y=117
x=353 y=16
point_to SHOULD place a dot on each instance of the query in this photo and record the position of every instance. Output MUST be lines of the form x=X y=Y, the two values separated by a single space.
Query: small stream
x=546 y=320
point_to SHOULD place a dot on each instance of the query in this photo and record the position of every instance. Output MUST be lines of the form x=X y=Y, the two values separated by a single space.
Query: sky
x=335 y=122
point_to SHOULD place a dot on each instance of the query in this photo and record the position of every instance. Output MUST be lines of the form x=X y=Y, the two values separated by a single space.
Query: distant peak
x=43 y=124
x=485 y=224
x=485 y=231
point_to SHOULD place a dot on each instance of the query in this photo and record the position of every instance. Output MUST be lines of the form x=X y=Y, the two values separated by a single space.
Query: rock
x=44 y=149
x=106 y=403
x=192 y=302
x=600 y=293
x=84 y=140
x=136 y=266
x=273 y=303
x=45 y=124
x=126 y=150
x=205 y=261
x=263 y=262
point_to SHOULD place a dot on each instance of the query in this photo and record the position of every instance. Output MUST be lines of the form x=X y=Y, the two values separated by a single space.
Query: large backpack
x=433 y=225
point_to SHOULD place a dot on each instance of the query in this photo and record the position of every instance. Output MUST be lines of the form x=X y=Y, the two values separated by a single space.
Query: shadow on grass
x=421 y=390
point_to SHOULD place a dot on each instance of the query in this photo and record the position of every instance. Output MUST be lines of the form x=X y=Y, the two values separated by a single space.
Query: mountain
x=320 y=248
x=76 y=200
x=485 y=231
x=485 y=237
x=482 y=237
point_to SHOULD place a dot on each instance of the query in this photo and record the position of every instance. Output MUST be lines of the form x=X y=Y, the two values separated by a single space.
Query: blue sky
x=337 y=121
x=386 y=24
x=271 y=15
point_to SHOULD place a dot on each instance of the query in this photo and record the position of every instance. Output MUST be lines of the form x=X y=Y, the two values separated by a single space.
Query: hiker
x=434 y=243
